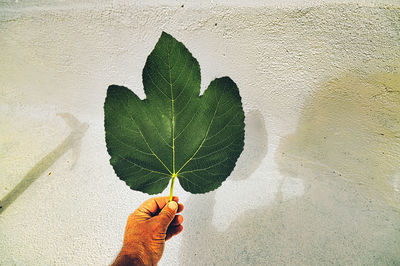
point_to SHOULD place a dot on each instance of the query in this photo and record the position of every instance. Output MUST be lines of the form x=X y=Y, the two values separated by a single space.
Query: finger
x=162 y=201
x=154 y=205
x=173 y=231
x=177 y=220
x=166 y=215
x=180 y=207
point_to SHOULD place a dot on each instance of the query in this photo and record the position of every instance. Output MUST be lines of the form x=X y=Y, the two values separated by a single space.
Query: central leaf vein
x=172 y=115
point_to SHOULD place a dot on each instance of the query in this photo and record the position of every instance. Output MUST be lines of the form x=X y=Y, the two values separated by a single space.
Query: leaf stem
x=171 y=191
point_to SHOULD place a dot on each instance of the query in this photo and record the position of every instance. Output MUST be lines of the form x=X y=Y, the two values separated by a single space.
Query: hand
x=147 y=229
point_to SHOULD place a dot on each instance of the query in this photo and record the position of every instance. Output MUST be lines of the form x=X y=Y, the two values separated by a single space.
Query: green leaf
x=174 y=132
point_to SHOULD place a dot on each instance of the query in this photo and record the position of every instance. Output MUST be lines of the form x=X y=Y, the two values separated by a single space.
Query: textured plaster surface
x=318 y=182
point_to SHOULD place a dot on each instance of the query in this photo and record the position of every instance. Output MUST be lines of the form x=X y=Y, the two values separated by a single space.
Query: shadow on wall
x=255 y=146
x=345 y=150
x=73 y=141
x=351 y=128
x=202 y=243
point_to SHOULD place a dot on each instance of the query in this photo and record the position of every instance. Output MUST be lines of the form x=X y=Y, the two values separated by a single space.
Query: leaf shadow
x=72 y=141
x=333 y=222
x=255 y=147
x=198 y=226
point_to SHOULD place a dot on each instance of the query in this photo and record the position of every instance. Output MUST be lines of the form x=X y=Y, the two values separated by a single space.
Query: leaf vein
x=148 y=146
x=194 y=115
x=181 y=176
x=206 y=168
x=226 y=125
x=126 y=144
x=188 y=101
x=204 y=139
x=155 y=181
x=155 y=85
x=216 y=151
x=182 y=70
x=138 y=165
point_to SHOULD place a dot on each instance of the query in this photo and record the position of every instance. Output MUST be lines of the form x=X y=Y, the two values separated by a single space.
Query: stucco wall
x=318 y=181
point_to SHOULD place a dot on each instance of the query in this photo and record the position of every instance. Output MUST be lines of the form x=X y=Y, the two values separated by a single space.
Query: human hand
x=147 y=229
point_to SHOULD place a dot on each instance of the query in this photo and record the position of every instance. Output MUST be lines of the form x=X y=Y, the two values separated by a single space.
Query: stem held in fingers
x=171 y=191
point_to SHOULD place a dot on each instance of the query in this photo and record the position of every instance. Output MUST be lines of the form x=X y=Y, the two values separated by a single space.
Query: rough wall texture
x=317 y=183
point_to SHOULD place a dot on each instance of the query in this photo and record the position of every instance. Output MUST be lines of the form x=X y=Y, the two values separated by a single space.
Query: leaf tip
x=111 y=88
x=166 y=36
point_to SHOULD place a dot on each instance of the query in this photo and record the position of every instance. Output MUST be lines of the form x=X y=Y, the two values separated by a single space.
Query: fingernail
x=173 y=205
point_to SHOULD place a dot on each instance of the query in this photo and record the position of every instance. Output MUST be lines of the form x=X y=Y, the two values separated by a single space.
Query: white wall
x=317 y=183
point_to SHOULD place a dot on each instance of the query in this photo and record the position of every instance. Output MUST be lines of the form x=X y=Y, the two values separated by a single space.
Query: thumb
x=167 y=214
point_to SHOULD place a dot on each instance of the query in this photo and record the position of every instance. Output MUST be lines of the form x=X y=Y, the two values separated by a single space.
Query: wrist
x=126 y=257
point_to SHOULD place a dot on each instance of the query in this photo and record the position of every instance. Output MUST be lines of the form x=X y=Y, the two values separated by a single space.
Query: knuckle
x=170 y=214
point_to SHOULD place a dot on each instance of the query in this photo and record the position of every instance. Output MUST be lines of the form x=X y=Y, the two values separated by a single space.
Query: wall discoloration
x=349 y=210
x=351 y=127
x=346 y=151
x=332 y=224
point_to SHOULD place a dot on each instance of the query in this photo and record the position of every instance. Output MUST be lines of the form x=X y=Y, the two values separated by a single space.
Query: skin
x=147 y=229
